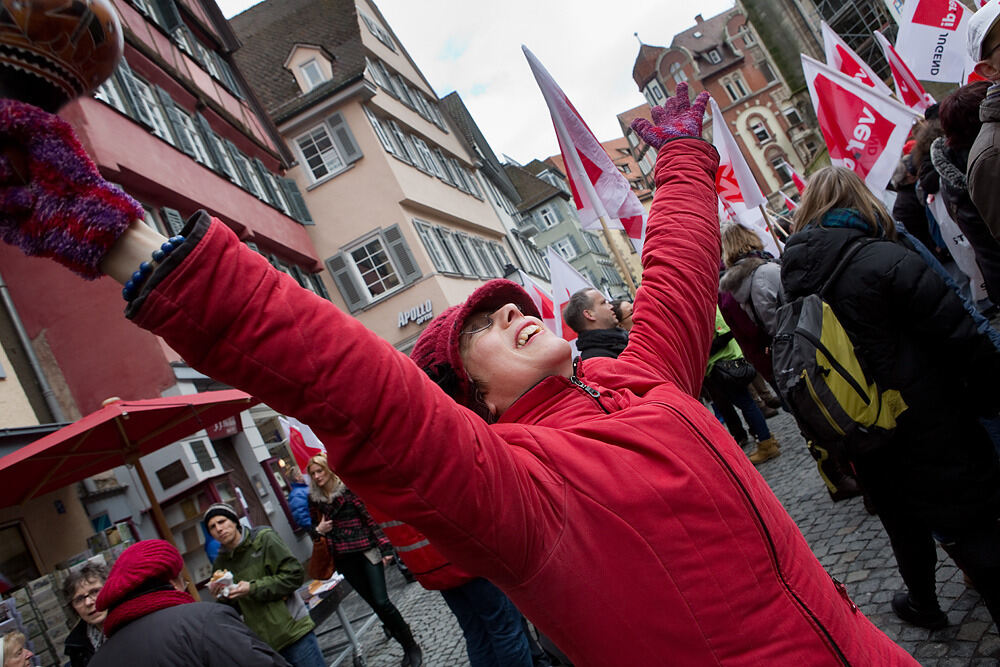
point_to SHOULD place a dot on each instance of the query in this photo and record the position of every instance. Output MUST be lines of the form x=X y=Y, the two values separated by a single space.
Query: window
x=714 y=57
x=207 y=59
x=433 y=245
x=735 y=87
x=792 y=116
x=252 y=180
x=311 y=74
x=381 y=132
x=108 y=93
x=610 y=275
x=172 y=474
x=655 y=92
x=183 y=39
x=765 y=69
x=458 y=258
x=226 y=163
x=404 y=149
x=376 y=73
x=149 y=110
x=202 y=456
x=625 y=168
x=781 y=168
x=279 y=198
x=375 y=267
x=16 y=562
x=566 y=247
x=760 y=131
x=594 y=243
x=677 y=71
x=190 y=138
x=380 y=33
x=319 y=152
x=548 y=218
x=747 y=36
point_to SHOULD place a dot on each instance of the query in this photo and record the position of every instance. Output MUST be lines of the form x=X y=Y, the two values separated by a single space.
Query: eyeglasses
x=89 y=595
x=482 y=322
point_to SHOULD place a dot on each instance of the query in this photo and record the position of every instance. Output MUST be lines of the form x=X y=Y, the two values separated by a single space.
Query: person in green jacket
x=722 y=386
x=265 y=578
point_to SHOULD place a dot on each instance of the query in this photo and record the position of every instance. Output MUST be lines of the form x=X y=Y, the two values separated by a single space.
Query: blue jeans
x=494 y=636
x=304 y=652
x=742 y=399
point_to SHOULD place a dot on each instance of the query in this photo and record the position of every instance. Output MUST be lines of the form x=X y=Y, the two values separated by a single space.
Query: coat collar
x=558 y=401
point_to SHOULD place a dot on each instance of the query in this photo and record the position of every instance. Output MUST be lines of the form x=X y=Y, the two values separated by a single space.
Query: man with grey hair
x=984 y=157
x=593 y=319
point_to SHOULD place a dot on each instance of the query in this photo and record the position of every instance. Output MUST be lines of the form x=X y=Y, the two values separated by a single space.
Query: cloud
x=453 y=49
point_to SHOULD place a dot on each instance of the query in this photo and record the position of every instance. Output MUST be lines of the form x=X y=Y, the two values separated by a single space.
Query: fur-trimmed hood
x=943 y=159
x=317 y=494
x=736 y=279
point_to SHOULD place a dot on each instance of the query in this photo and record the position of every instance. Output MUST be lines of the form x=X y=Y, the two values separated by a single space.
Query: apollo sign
x=418 y=314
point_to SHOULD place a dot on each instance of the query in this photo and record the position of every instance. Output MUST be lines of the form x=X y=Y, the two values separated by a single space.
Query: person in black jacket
x=80 y=589
x=937 y=476
x=152 y=620
x=593 y=319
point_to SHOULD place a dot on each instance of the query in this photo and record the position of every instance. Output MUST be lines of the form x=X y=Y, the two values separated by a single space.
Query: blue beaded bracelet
x=131 y=289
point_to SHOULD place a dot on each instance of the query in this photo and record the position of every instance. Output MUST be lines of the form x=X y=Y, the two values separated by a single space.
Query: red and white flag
x=908 y=89
x=599 y=188
x=733 y=181
x=864 y=131
x=800 y=183
x=789 y=204
x=751 y=218
x=931 y=40
x=566 y=281
x=302 y=441
x=842 y=58
x=542 y=300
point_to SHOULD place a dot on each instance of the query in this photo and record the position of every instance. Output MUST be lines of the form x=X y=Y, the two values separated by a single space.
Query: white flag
x=908 y=89
x=542 y=300
x=959 y=247
x=751 y=218
x=864 y=130
x=599 y=188
x=566 y=281
x=842 y=58
x=931 y=40
x=733 y=181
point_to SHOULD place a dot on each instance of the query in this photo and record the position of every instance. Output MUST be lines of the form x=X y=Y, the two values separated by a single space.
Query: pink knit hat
x=437 y=350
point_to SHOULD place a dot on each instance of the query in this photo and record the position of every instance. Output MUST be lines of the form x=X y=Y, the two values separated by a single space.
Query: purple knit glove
x=61 y=207
x=676 y=118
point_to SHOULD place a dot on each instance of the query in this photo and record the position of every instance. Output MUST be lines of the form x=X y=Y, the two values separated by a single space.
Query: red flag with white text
x=864 y=131
x=599 y=188
x=842 y=58
x=566 y=281
x=302 y=441
x=733 y=181
x=908 y=89
x=932 y=39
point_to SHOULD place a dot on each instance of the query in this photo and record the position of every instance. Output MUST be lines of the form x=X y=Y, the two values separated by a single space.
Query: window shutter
x=298 y=205
x=124 y=75
x=345 y=281
x=182 y=140
x=318 y=285
x=345 y=140
x=168 y=12
x=228 y=78
x=272 y=196
x=173 y=220
x=208 y=137
x=400 y=252
x=240 y=166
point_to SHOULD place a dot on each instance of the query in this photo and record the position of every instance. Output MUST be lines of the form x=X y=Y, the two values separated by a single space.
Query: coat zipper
x=770 y=541
x=587 y=389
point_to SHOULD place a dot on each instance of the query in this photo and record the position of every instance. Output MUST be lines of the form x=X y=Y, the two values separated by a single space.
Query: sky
x=475 y=48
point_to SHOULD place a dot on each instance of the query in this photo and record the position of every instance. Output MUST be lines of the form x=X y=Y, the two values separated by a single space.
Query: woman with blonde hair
x=937 y=475
x=14 y=651
x=358 y=547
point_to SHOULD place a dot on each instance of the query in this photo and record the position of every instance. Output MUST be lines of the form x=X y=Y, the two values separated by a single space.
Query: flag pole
x=770 y=228
x=618 y=256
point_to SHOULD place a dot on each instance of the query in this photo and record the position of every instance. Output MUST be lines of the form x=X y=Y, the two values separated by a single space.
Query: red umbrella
x=117 y=434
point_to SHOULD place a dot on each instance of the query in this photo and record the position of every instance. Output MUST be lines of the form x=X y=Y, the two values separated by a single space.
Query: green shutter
x=263 y=171
x=295 y=201
x=234 y=152
x=171 y=18
x=173 y=220
x=208 y=138
x=181 y=139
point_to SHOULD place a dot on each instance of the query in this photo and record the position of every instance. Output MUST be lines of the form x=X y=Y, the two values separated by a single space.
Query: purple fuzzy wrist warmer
x=66 y=210
x=676 y=118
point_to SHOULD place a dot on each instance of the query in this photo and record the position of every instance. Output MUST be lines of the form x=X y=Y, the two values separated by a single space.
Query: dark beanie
x=220 y=509
x=437 y=351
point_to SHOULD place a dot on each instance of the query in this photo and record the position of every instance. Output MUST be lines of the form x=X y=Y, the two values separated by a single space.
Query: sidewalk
x=850 y=544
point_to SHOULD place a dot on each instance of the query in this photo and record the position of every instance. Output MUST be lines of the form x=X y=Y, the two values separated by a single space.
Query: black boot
x=922 y=616
x=412 y=655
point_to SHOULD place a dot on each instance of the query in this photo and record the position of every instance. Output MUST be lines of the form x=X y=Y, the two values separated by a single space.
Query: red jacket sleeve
x=394 y=437
x=674 y=311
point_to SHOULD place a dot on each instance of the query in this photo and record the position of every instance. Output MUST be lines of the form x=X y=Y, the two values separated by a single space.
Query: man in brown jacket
x=984 y=157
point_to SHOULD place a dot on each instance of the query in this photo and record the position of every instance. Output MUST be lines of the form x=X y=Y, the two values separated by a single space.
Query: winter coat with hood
x=755 y=283
x=950 y=165
x=601 y=342
x=984 y=162
x=78 y=649
x=912 y=334
x=612 y=508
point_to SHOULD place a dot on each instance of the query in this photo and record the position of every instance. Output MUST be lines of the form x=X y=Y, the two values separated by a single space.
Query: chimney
x=699 y=19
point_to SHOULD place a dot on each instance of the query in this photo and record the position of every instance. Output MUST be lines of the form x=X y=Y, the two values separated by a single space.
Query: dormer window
x=697 y=34
x=312 y=75
x=714 y=57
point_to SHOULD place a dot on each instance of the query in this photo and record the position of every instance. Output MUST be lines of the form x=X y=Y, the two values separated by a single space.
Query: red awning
x=117 y=434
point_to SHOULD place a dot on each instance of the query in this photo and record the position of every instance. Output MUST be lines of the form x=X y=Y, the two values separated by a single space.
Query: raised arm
x=674 y=309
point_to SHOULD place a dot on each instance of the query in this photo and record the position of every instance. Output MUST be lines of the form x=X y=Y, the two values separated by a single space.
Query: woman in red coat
x=604 y=500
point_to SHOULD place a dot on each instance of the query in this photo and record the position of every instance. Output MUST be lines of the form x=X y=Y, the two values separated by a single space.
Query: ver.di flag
x=931 y=40
x=864 y=131
x=751 y=218
x=599 y=188
x=908 y=89
x=733 y=181
x=842 y=58
x=302 y=441
x=566 y=281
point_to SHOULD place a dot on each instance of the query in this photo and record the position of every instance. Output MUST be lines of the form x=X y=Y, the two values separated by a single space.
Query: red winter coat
x=628 y=527
x=427 y=564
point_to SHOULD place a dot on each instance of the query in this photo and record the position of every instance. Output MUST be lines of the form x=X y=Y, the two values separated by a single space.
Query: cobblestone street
x=850 y=544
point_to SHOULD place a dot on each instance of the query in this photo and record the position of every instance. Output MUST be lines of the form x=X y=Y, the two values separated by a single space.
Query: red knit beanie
x=437 y=350
x=138 y=583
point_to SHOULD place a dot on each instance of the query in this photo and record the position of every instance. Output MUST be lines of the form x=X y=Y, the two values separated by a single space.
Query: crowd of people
x=528 y=471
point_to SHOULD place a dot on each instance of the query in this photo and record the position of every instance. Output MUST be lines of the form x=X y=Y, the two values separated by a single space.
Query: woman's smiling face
x=512 y=355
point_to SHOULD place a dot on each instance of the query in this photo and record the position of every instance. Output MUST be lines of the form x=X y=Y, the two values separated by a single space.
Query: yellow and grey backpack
x=821 y=378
